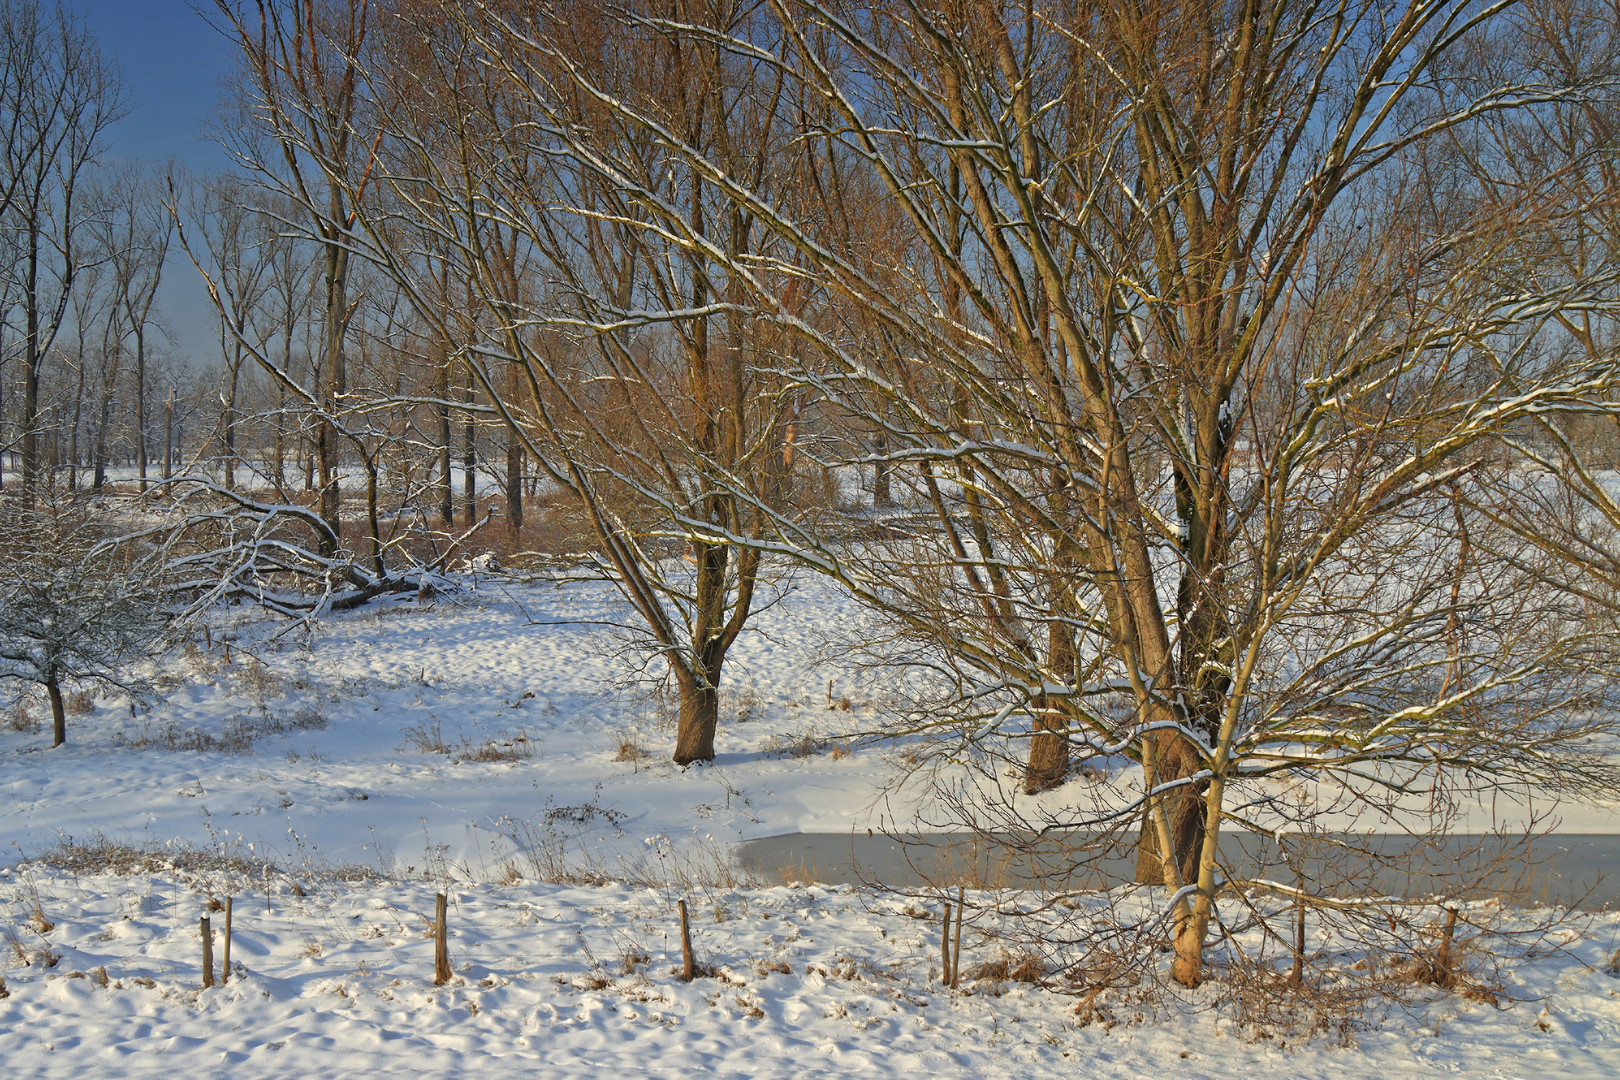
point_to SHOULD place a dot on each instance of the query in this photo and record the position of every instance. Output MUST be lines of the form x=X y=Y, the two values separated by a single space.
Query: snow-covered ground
x=316 y=751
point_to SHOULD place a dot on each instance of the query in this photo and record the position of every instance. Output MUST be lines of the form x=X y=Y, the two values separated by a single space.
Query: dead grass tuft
x=630 y=749
x=515 y=746
x=426 y=738
x=23 y=719
x=237 y=736
x=1021 y=967
x=800 y=746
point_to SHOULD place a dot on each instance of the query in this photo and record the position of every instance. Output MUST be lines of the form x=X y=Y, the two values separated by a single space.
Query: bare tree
x=136 y=242
x=302 y=77
x=75 y=606
x=57 y=97
x=639 y=421
x=1188 y=361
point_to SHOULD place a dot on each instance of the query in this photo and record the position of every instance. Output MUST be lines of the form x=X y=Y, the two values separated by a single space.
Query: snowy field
x=482 y=744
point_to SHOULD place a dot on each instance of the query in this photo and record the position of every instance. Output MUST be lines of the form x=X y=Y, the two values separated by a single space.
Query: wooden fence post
x=225 y=970
x=441 y=946
x=945 y=946
x=956 y=953
x=208 y=953
x=688 y=961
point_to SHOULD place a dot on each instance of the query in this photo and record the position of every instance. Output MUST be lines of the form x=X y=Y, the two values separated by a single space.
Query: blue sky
x=172 y=65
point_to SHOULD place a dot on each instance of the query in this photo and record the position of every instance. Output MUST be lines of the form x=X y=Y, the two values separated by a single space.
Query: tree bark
x=447 y=506
x=469 y=461
x=700 y=715
x=1185 y=809
x=514 y=486
x=58 y=713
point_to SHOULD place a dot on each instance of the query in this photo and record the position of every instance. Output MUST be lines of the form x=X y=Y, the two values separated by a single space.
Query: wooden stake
x=688 y=962
x=208 y=953
x=945 y=946
x=1296 y=978
x=956 y=953
x=225 y=971
x=441 y=946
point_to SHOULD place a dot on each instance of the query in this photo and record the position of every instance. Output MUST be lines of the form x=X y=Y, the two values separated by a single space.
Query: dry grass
x=796 y=746
x=630 y=749
x=23 y=719
x=426 y=738
x=1021 y=967
x=99 y=855
x=746 y=705
x=236 y=736
x=506 y=746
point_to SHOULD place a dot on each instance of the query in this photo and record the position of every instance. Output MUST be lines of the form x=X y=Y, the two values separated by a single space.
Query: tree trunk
x=1185 y=809
x=700 y=715
x=374 y=515
x=281 y=436
x=1048 y=751
x=58 y=713
x=336 y=319
x=1049 y=744
x=514 y=486
x=168 y=435
x=447 y=507
x=228 y=420
x=140 y=403
x=469 y=461
x=880 y=471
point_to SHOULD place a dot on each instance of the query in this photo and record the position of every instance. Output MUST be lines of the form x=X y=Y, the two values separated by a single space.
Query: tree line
x=1230 y=386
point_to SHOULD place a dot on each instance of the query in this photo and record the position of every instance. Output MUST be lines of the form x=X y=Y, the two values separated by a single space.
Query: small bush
x=629 y=749
x=801 y=746
x=23 y=719
x=504 y=747
x=1023 y=967
x=427 y=738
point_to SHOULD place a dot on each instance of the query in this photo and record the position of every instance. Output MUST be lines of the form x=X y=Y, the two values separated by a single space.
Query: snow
x=306 y=749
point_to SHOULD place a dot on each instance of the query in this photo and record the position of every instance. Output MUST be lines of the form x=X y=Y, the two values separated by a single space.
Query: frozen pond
x=1577 y=870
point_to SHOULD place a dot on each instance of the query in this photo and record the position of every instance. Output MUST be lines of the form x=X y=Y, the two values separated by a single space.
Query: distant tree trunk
x=33 y=357
x=1049 y=744
x=140 y=403
x=335 y=327
x=514 y=485
x=78 y=420
x=168 y=435
x=447 y=507
x=469 y=461
x=373 y=515
x=58 y=712
x=880 y=471
x=281 y=436
x=228 y=420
